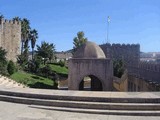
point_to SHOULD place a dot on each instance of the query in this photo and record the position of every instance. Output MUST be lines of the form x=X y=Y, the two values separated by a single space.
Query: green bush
x=61 y=63
x=47 y=72
x=3 y=61
x=11 y=68
x=118 y=68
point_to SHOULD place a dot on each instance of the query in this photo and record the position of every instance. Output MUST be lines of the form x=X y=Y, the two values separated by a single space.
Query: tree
x=2 y=55
x=16 y=18
x=25 y=31
x=33 y=38
x=118 y=68
x=79 y=40
x=1 y=16
x=46 y=51
x=27 y=35
x=21 y=59
x=3 y=61
x=11 y=68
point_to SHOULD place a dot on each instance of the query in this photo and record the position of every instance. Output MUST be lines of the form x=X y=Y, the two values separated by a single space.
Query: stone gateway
x=90 y=60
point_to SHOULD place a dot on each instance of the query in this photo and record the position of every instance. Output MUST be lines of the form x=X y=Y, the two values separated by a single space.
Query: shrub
x=118 y=67
x=11 y=67
x=46 y=72
x=61 y=63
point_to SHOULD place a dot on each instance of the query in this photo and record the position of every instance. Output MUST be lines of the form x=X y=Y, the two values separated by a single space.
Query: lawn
x=58 y=69
x=33 y=81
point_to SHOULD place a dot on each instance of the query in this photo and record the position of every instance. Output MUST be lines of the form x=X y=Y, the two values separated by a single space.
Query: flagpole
x=108 y=21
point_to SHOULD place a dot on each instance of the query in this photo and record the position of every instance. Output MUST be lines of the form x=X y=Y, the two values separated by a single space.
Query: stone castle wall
x=146 y=71
x=10 y=37
x=130 y=54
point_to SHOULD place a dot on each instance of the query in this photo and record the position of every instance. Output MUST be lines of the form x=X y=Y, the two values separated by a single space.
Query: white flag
x=109 y=19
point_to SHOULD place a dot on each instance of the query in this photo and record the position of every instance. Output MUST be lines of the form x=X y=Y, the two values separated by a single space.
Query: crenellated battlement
x=129 y=53
x=127 y=47
x=14 y=22
x=122 y=45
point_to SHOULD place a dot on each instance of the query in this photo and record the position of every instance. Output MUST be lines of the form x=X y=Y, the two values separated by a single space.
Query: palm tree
x=33 y=38
x=25 y=31
x=16 y=18
x=46 y=51
x=1 y=16
x=79 y=40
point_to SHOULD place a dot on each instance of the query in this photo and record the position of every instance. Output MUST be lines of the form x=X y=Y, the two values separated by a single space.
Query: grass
x=58 y=69
x=35 y=81
x=32 y=81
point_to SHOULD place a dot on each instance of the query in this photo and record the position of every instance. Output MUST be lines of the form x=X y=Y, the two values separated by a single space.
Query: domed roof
x=89 y=50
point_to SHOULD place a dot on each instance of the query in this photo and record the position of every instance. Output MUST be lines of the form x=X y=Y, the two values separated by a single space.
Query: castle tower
x=10 y=38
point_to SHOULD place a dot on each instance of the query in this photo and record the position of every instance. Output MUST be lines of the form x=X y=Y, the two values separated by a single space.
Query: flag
x=109 y=19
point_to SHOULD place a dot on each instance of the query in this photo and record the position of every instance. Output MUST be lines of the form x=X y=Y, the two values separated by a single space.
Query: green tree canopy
x=79 y=40
x=2 y=55
x=3 y=61
x=11 y=67
x=33 y=38
x=1 y=16
x=118 y=68
x=16 y=18
x=25 y=31
x=46 y=50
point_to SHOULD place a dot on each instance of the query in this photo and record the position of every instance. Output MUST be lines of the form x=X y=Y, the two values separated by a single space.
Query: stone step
x=79 y=98
x=103 y=112
x=82 y=104
x=9 y=83
x=4 y=82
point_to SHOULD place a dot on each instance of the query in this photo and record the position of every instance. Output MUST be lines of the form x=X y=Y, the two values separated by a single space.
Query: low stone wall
x=146 y=71
x=139 y=84
x=121 y=84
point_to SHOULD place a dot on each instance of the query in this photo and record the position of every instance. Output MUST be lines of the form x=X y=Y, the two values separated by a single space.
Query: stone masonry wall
x=147 y=71
x=10 y=37
x=130 y=54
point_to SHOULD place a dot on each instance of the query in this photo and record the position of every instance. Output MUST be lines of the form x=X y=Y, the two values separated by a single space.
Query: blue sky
x=58 y=21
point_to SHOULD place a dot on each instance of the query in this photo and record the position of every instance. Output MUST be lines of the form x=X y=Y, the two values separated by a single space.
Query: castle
x=138 y=71
x=142 y=76
x=129 y=53
x=10 y=38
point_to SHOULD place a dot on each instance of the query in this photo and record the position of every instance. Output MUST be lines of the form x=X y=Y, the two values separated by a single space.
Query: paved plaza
x=13 y=111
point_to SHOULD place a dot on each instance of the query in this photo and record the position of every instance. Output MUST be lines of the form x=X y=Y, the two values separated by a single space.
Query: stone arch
x=90 y=60
x=96 y=84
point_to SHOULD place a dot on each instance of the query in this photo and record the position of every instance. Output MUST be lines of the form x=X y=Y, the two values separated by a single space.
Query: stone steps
x=82 y=104
x=95 y=105
x=39 y=95
x=9 y=83
x=105 y=112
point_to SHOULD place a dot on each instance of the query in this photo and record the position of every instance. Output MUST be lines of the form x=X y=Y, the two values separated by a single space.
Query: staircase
x=9 y=83
x=87 y=102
